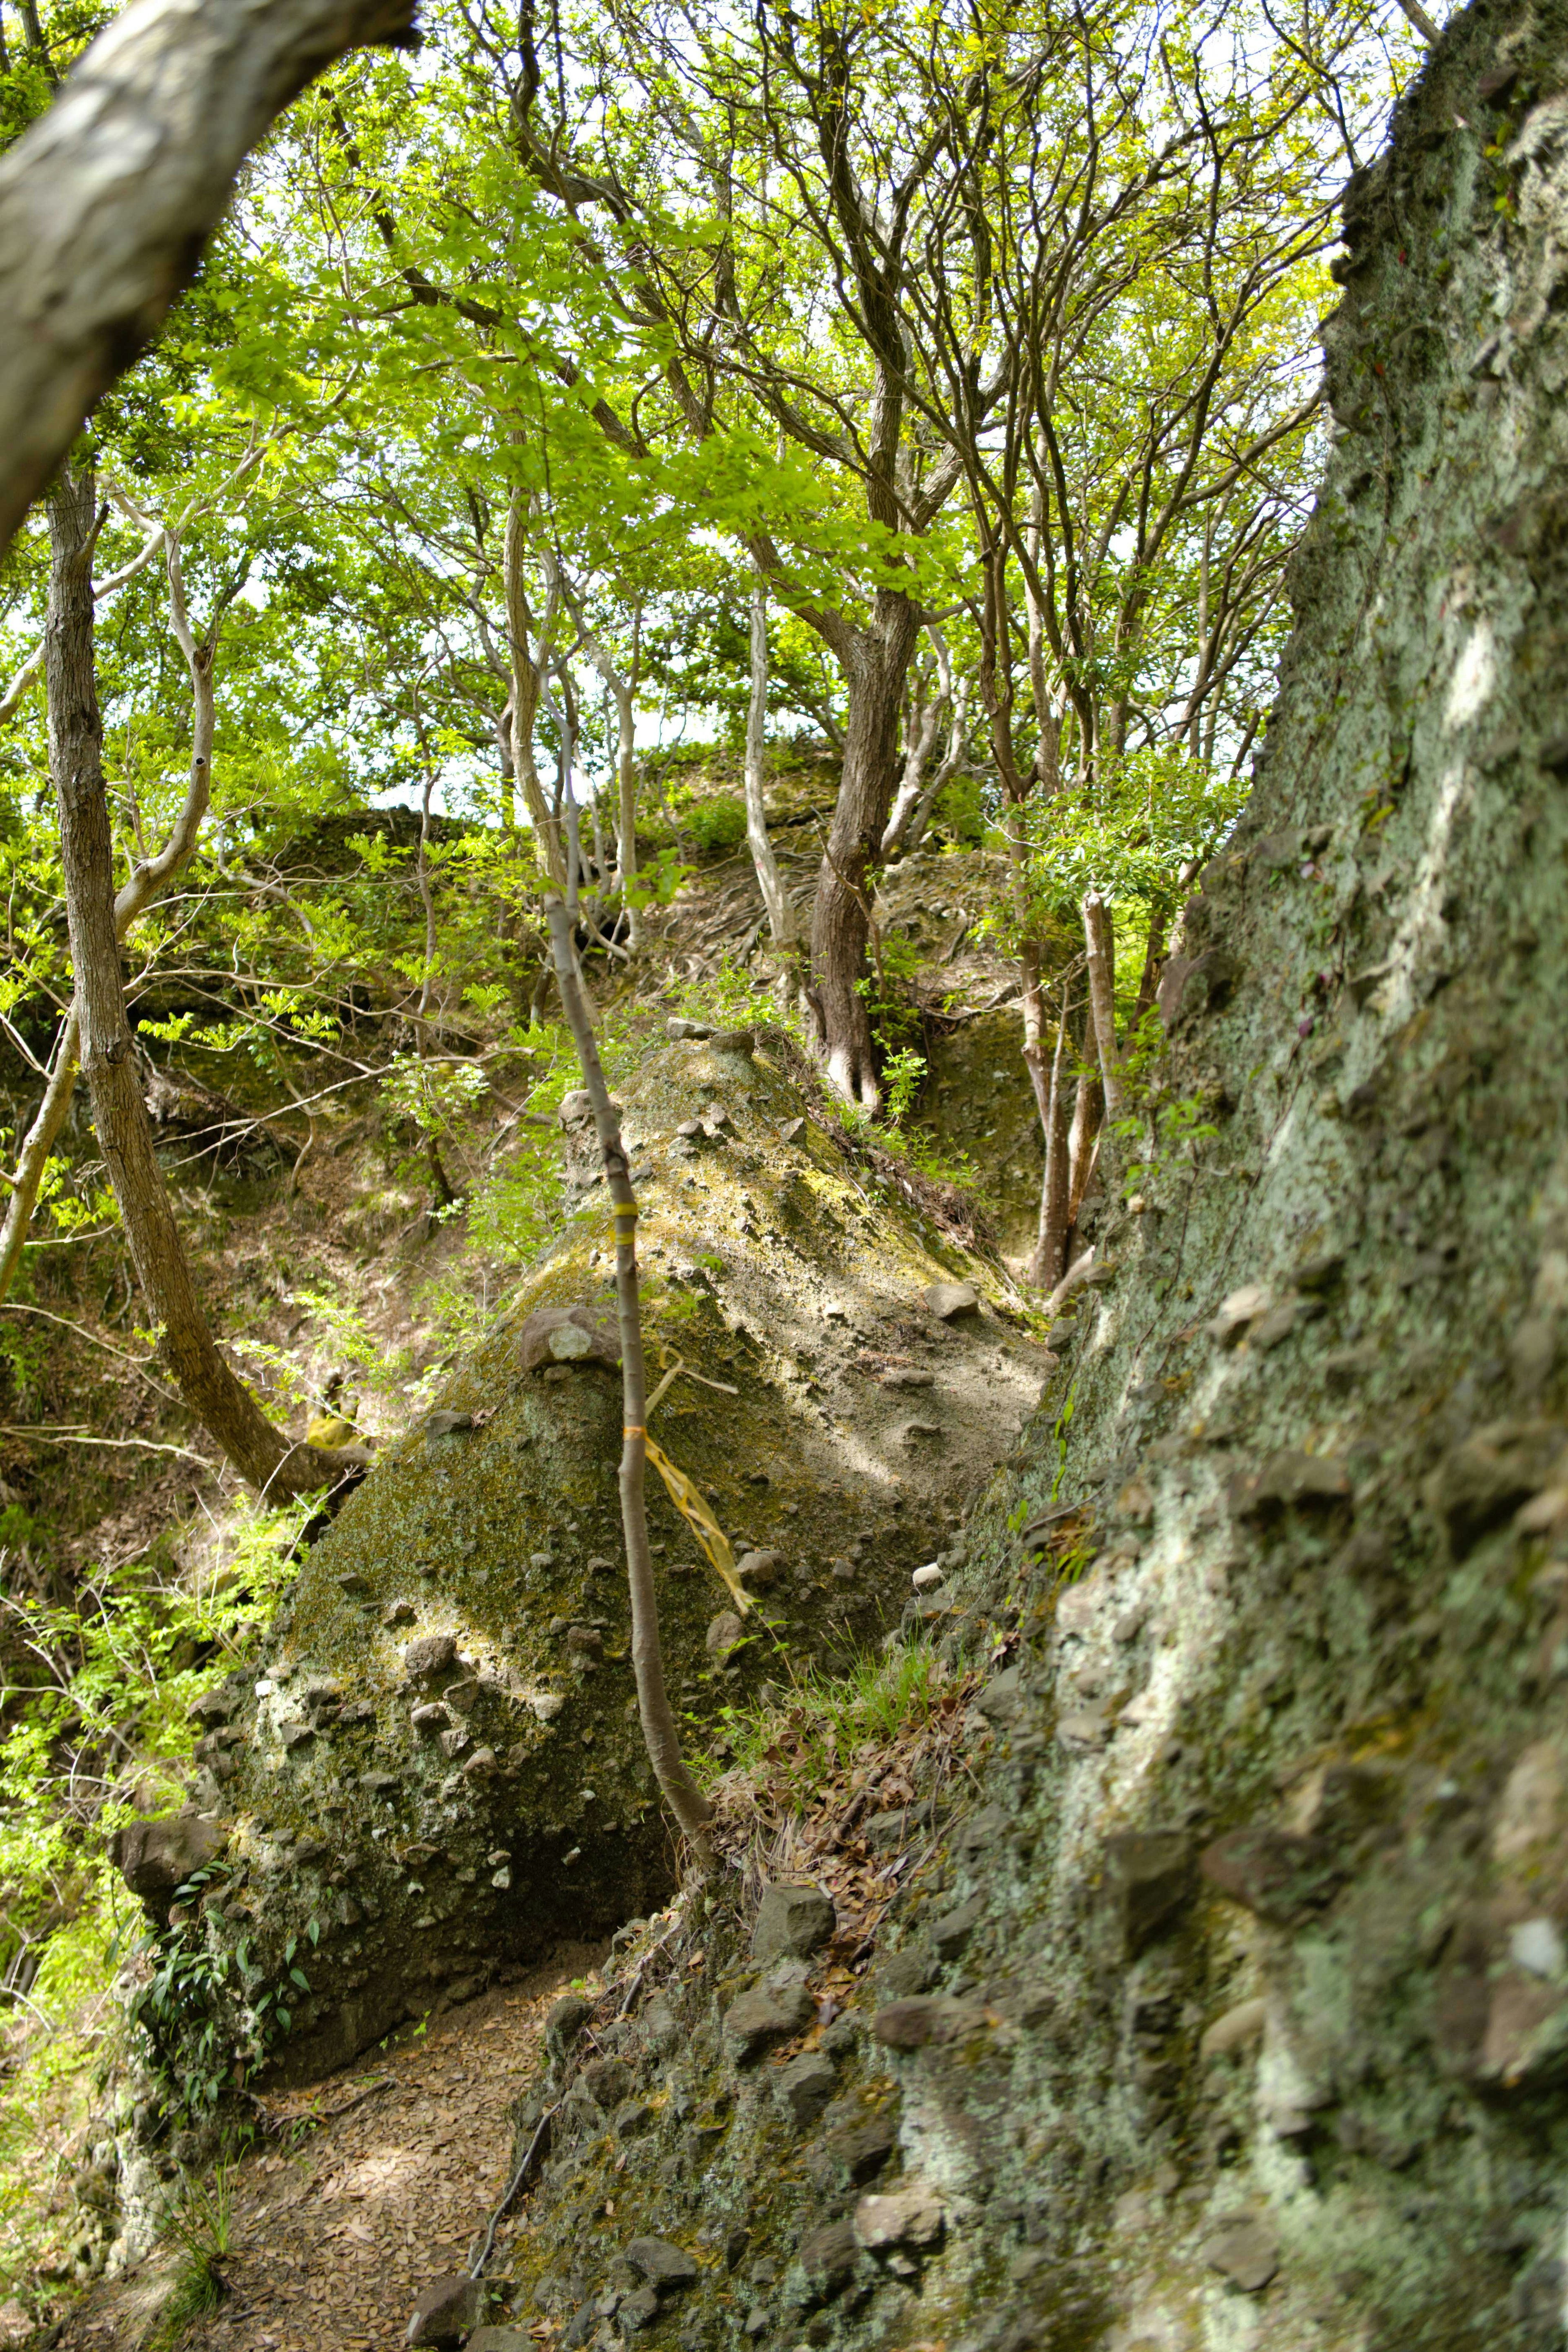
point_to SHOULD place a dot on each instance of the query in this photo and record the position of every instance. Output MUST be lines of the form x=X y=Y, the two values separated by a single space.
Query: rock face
x=1258 y=2034
x=436 y=1770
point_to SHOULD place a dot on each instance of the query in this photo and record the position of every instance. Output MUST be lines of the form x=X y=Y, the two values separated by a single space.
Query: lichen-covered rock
x=1259 y=2034
x=469 y=1599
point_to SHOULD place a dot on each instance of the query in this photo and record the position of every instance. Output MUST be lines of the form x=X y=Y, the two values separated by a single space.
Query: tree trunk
x=1100 y=948
x=660 y=1734
x=1048 y=1264
x=769 y=881
x=527 y=683
x=220 y=1401
x=841 y=917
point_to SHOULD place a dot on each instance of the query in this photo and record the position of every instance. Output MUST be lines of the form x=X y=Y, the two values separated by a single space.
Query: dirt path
x=364 y=2189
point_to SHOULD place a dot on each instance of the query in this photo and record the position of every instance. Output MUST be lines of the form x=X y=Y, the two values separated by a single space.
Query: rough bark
x=220 y=1401
x=876 y=662
x=105 y=205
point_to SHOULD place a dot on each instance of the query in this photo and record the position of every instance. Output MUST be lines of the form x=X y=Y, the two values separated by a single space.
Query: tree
x=105 y=202
x=208 y=1386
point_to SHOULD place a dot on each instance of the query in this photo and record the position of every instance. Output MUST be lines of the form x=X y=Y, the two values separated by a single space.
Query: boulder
x=155 y=1857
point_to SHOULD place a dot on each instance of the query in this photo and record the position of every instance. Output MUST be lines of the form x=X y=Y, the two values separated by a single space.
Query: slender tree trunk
x=769 y=881
x=145 y=883
x=1047 y=1267
x=34 y=1157
x=841 y=918
x=1099 y=947
x=626 y=782
x=660 y=1736
x=225 y=1406
x=527 y=682
x=1148 y=984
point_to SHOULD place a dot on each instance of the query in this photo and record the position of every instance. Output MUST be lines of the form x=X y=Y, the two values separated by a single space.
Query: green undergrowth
x=799 y=1736
x=199 y=2226
x=104 y=1734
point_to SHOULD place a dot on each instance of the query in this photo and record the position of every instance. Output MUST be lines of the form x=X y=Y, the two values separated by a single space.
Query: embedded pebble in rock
x=428 y=1656
x=926 y=1579
x=947 y=1300
x=911 y=2217
x=723 y=1631
x=1244 y=2252
x=664 y=2266
x=804 y=2087
x=760 y=2018
x=792 y=1922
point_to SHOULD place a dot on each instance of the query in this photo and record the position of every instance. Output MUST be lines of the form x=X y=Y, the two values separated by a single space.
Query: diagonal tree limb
x=107 y=202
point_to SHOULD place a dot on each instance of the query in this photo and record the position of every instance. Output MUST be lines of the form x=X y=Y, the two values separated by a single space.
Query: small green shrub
x=717 y=826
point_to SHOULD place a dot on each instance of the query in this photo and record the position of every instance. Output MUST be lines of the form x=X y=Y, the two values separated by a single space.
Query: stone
x=1243 y=2250
x=565 y=2021
x=687 y=1032
x=734 y=1041
x=760 y=2018
x=723 y=1631
x=761 y=1568
x=1237 y=2030
x=905 y=1974
x=860 y=2149
x=926 y=2017
x=446 y=2311
x=1290 y=1481
x=980 y=1830
x=950 y=1934
x=430 y=1717
x=1242 y=1308
x=564 y=1336
x=378 y=1784
x=792 y=1922
x=1085 y=1730
x=501 y=2339
x=431 y=1654
x=399 y=1613
x=1002 y=1696
x=803 y=2088
x=638 y=2310
x=16 y=2326
x=1280 y=1876
x=1149 y=1873
x=483 y=1765
x=948 y=1301
x=155 y=1857
x=910 y=2217
x=1496 y=1469
x=666 y=2267
x=827 y=2257
x=608 y=2080
x=926 y=1580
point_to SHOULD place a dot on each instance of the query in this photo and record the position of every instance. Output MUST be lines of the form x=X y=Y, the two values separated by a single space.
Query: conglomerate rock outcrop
x=436 y=1769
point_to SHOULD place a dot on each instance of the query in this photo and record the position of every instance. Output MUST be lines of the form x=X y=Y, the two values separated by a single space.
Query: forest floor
x=360 y=2189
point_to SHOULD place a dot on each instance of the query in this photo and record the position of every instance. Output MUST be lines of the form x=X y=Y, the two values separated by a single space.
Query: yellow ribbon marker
x=702 y=1523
